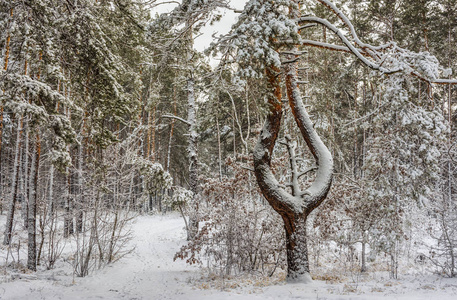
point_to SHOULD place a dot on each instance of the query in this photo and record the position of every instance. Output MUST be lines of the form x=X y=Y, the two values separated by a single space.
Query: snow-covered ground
x=150 y=273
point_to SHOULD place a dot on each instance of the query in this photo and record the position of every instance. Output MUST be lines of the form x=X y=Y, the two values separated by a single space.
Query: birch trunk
x=192 y=151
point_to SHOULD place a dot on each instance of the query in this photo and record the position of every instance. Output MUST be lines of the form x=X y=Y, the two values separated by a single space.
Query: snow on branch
x=348 y=23
x=388 y=58
x=352 y=48
x=328 y=46
x=177 y=118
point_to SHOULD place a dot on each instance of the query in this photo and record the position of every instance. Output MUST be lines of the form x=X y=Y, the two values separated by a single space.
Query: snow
x=150 y=273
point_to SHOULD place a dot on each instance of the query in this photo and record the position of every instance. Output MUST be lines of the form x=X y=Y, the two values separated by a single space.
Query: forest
x=315 y=141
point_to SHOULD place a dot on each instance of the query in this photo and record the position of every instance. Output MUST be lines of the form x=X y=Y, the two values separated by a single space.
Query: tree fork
x=293 y=208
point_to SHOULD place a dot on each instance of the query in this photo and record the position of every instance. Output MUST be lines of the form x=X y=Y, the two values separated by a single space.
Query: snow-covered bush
x=240 y=232
x=155 y=177
x=180 y=197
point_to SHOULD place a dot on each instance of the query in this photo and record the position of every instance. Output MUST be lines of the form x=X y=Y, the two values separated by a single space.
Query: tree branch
x=307 y=171
x=177 y=118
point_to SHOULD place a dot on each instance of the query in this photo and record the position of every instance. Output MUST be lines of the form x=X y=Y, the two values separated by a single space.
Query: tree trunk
x=296 y=206
x=5 y=68
x=219 y=154
x=149 y=136
x=12 y=204
x=170 y=140
x=32 y=250
x=26 y=176
x=153 y=136
x=192 y=151
x=8 y=40
x=80 y=204
x=297 y=249
x=1 y=171
x=364 y=259
x=51 y=201
x=68 y=219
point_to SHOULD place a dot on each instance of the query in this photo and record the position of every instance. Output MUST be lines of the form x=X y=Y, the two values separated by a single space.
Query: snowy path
x=147 y=273
x=150 y=273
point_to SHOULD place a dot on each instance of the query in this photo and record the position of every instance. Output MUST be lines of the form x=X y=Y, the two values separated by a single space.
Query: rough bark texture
x=297 y=249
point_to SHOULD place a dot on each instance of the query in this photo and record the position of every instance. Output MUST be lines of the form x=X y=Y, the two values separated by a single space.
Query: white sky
x=221 y=27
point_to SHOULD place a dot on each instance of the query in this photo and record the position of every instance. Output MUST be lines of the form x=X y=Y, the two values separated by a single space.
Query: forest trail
x=149 y=272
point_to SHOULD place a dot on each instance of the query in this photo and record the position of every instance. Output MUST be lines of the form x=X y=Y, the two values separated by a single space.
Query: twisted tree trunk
x=293 y=207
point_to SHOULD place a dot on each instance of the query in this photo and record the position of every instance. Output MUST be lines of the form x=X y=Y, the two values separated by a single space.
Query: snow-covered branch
x=177 y=118
x=352 y=48
x=387 y=58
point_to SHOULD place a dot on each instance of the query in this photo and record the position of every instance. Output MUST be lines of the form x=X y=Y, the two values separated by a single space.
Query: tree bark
x=297 y=248
x=12 y=204
x=5 y=68
x=26 y=176
x=363 y=268
x=80 y=204
x=1 y=171
x=32 y=250
x=68 y=219
x=170 y=140
x=51 y=201
x=192 y=150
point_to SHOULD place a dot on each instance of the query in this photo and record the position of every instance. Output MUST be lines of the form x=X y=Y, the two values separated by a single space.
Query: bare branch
x=307 y=171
